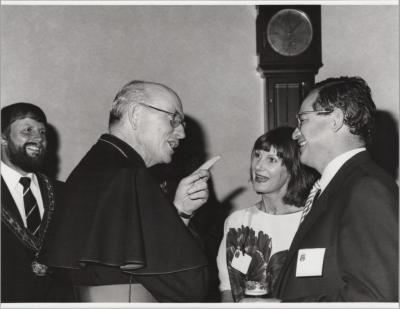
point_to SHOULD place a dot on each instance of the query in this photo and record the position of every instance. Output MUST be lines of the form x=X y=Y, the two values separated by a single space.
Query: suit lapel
x=47 y=192
x=321 y=204
x=11 y=218
x=8 y=203
x=44 y=192
x=318 y=209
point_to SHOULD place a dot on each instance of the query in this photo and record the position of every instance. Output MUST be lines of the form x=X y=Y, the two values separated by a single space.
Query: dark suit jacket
x=19 y=249
x=356 y=220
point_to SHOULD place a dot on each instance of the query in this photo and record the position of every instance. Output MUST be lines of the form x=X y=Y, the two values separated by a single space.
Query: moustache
x=39 y=146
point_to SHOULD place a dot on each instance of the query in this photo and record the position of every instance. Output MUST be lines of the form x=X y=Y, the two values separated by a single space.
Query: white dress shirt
x=11 y=178
x=332 y=168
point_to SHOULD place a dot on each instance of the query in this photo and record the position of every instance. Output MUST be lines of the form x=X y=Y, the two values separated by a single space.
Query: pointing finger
x=208 y=164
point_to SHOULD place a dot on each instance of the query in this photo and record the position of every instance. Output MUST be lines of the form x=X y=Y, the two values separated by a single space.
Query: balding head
x=133 y=93
x=149 y=117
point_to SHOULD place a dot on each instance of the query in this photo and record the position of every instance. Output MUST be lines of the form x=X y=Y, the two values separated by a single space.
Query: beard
x=18 y=155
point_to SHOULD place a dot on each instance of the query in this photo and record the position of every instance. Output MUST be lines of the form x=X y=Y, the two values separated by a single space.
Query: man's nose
x=38 y=136
x=296 y=133
x=180 y=132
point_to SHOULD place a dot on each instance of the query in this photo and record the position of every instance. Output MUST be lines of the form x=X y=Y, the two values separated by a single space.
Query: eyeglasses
x=176 y=119
x=300 y=121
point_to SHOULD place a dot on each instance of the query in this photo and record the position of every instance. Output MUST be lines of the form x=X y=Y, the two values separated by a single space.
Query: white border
x=199 y=2
x=198 y=305
x=202 y=305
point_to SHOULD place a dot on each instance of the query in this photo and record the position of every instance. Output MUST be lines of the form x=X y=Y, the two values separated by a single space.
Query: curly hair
x=301 y=176
x=353 y=96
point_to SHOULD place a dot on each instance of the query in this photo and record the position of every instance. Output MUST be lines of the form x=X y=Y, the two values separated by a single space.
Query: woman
x=256 y=239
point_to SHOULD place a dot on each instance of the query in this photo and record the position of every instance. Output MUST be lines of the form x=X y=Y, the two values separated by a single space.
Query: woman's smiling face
x=269 y=174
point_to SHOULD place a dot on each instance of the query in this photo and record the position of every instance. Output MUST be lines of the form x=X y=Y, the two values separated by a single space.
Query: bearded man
x=28 y=201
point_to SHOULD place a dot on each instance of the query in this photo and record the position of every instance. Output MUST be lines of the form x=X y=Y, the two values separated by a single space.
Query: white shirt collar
x=12 y=177
x=333 y=166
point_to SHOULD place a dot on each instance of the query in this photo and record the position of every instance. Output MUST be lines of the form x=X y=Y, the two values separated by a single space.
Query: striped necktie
x=314 y=193
x=31 y=206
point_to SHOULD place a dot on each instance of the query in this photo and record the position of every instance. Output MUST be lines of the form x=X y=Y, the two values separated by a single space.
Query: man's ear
x=133 y=115
x=4 y=140
x=337 y=119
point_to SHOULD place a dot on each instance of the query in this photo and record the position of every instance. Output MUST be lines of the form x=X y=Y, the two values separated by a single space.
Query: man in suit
x=346 y=248
x=28 y=201
x=122 y=239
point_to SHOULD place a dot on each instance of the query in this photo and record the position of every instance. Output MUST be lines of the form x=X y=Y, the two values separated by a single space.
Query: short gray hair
x=133 y=92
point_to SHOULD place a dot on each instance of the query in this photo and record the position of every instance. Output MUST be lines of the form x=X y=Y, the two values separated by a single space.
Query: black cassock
x=118 y=223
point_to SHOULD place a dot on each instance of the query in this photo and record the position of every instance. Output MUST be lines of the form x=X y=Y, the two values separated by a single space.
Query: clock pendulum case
x=289 y=50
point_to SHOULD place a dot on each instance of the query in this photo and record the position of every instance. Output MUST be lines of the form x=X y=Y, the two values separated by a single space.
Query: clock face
x=289 y=32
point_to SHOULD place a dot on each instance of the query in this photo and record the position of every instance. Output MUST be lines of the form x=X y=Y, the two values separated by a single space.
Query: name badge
x=310 y=262
x=241 y=261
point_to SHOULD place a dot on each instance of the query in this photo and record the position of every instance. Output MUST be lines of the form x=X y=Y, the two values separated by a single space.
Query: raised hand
x=192 y=191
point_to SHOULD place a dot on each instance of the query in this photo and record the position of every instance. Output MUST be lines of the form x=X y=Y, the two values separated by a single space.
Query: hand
x=192 y=191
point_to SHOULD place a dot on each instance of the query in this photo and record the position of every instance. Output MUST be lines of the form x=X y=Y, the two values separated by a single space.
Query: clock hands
x=289 y=32
x=293 y=29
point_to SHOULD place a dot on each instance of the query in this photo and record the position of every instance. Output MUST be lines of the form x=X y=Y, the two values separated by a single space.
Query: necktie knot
x=314 y=193
x=25 y=182
x=317 y=186
x=32 y=213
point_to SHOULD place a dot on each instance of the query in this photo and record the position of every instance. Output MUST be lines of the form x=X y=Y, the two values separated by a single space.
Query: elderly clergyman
x=122 y=240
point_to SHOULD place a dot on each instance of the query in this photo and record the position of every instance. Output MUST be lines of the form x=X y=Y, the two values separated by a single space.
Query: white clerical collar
x=333 y=166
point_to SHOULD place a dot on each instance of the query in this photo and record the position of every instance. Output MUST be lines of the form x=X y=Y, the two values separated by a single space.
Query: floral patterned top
x=264 y=237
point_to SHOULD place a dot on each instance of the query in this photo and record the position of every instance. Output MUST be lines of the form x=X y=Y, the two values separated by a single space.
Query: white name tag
x=310 y=262
x=241 y=261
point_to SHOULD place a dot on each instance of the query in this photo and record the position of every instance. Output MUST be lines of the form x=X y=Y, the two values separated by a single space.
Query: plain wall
x=71 y=61
x=364 y=41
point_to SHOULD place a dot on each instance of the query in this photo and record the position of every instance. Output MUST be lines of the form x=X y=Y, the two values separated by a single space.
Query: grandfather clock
x=289 y=50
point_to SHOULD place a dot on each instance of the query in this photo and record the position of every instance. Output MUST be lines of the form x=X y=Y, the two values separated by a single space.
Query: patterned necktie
x=315 y=191
x=31 y=206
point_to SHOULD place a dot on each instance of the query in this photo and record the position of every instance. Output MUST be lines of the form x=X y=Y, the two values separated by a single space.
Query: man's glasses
x=300 y=121
x=176 y=119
